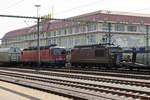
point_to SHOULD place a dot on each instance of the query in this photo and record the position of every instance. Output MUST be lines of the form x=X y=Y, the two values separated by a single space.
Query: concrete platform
x=10 y=91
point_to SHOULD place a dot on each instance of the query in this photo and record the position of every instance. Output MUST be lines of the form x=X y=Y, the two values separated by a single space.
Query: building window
x=54 y=33
x=59 y=32
x=83 y=29
x=59 y=42
x=53 y=41
x=70 y=31
x=92 y=38
x=105 y=26
x=43 y=35
x=49 y=34
x=70 y=43
x=91 y=27
x=35 y=36
x=42 y=42
x=142 y=28
x=49 y=42
x=77 y=30
x=83 y=40
x=64 y=42
x=65 y=32
x=77 y=41
x=132 y=28
x=119 y=27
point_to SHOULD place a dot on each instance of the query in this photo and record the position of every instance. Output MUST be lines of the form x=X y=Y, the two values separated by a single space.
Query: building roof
x=16 y=32
x=26 y=30
x=99 y=16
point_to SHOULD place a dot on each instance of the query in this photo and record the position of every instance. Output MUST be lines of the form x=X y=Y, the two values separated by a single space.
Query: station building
x=126 y=29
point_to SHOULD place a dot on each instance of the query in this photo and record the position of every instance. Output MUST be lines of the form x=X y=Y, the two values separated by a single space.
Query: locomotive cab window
x=56 y=51
x=100 y=53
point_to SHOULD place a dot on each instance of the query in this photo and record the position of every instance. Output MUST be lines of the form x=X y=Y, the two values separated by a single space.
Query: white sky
x=62 y=9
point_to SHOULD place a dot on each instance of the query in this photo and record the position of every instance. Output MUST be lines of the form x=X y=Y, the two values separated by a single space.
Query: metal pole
x=147 y=44
x=38 y=35
x=38 y=41
x=109 y=35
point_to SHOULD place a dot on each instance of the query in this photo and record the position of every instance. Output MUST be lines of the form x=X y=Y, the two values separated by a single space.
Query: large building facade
x=126 y=30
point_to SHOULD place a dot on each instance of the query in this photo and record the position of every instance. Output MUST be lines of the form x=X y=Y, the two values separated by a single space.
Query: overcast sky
x=62 y=9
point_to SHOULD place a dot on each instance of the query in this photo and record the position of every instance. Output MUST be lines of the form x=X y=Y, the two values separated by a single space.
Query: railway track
x=98 y=78
x=124 y=74
x=85 y=83
x=97 y=73
x=94 y=71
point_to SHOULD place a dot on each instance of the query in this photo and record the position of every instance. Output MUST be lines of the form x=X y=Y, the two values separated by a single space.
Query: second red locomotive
x=94 y=55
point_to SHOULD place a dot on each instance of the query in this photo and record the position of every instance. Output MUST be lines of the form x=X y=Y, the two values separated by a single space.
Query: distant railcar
x=10 y=55
x=94 y=55
x=142 y=58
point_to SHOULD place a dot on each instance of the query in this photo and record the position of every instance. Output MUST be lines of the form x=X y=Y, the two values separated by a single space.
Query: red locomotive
x=49 y=55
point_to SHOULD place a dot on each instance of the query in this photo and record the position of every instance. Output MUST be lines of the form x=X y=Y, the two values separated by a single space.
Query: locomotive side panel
x=48 y=56
x=94 y=55
x=101 y=56
x=45 y=55
x=88 y=56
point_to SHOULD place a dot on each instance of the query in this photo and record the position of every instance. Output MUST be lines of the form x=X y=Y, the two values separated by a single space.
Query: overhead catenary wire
x=79 y=7
x=142 y=9
x=12 y=5
x=27 y=22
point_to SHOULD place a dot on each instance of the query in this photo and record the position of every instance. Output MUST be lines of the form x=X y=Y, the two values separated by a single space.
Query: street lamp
x=37 y=6
x=38 y=35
